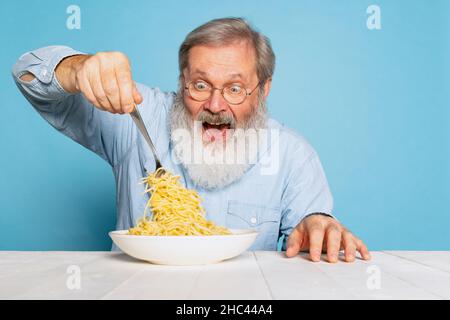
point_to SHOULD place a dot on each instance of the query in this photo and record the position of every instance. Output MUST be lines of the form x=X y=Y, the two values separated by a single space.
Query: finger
x=349 y=246
x=125 y=83
x=85 y=88
x=333 y=243
x=110 y=86
x=294 y=243
x=96 y=85
x=316 y=235
x=136 y=95
x=363 y=250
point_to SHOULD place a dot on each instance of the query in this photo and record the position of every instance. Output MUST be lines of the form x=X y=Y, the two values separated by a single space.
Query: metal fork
x=136 y=116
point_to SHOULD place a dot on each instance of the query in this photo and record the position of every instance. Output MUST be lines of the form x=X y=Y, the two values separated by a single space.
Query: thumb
x=293 y=243
x=136 y=95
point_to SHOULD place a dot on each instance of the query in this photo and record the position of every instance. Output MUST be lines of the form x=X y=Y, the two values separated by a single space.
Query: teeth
x=217 y=124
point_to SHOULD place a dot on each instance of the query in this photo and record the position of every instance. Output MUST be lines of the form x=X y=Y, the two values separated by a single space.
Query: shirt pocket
x=263 y=219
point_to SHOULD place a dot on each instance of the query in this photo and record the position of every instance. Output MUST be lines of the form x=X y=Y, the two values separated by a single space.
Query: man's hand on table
x=318 y=233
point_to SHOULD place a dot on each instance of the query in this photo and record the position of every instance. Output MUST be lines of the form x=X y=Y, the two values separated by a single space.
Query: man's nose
x=216 y=102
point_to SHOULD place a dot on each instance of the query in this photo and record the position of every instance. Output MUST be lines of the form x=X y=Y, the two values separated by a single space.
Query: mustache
x=217 y=118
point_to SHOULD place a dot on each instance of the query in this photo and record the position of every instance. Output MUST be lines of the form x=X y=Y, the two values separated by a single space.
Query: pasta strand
x=176 y=210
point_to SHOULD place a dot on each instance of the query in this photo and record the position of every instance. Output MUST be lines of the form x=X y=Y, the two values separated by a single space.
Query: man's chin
x=215 y=176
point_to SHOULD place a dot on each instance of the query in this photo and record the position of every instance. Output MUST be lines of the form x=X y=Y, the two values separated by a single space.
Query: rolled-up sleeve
x=42 y=63
x=108 y=135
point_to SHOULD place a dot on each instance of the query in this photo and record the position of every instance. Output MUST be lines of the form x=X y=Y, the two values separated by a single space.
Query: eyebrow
x=231 y=75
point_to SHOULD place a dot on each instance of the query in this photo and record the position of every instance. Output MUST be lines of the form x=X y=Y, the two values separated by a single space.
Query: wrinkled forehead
x=220 y=64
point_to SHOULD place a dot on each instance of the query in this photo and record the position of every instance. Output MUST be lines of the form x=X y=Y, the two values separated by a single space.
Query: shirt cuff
x=42 y=64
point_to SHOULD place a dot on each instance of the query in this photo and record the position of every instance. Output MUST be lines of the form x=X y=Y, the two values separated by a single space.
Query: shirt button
x=44 y=72
x=253 y=220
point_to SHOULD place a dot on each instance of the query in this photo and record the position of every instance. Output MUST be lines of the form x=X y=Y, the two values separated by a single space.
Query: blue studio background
x=373 y=103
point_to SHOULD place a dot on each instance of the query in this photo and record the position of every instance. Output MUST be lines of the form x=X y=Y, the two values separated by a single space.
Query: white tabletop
x=253 y=275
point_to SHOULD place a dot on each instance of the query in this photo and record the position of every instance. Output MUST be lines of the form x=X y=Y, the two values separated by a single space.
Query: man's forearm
x=104 y=78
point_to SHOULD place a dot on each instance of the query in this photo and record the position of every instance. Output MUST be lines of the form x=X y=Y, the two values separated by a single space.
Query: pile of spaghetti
x=176 y=211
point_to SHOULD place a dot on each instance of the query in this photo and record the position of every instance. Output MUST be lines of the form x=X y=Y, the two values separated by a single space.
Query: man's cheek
x=193 y=107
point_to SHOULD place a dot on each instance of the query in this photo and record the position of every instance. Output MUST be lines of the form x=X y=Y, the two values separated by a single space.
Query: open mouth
x=215 y=131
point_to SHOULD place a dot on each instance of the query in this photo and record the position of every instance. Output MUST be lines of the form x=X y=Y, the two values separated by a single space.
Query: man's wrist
x=65 y=72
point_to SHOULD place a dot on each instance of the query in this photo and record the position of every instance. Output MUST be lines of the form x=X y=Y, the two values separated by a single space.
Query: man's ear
x=267 y=87
x=181 y=81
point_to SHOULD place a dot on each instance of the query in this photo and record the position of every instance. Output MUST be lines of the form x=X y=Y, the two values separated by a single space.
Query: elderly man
x=226 y=70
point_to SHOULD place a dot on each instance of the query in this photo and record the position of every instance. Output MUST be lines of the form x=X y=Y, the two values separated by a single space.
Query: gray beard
x=206 y=171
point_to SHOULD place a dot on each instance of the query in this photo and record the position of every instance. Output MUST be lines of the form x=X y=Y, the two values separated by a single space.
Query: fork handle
x=136 y=116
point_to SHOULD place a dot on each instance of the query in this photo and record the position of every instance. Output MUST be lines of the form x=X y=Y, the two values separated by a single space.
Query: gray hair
x=225 y=31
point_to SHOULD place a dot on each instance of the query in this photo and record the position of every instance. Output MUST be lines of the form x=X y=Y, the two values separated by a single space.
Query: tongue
x=215 y=132
x=217 y=127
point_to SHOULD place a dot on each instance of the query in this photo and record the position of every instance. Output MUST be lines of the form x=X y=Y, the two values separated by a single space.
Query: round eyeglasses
x=233 y=94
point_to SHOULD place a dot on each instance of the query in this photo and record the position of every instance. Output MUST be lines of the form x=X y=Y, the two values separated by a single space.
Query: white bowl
x=184 y=250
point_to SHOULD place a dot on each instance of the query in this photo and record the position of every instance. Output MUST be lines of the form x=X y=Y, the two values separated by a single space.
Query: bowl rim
x=244 y=232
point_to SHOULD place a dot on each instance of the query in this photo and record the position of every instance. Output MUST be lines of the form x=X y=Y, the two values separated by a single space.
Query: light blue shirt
x=272 y=202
